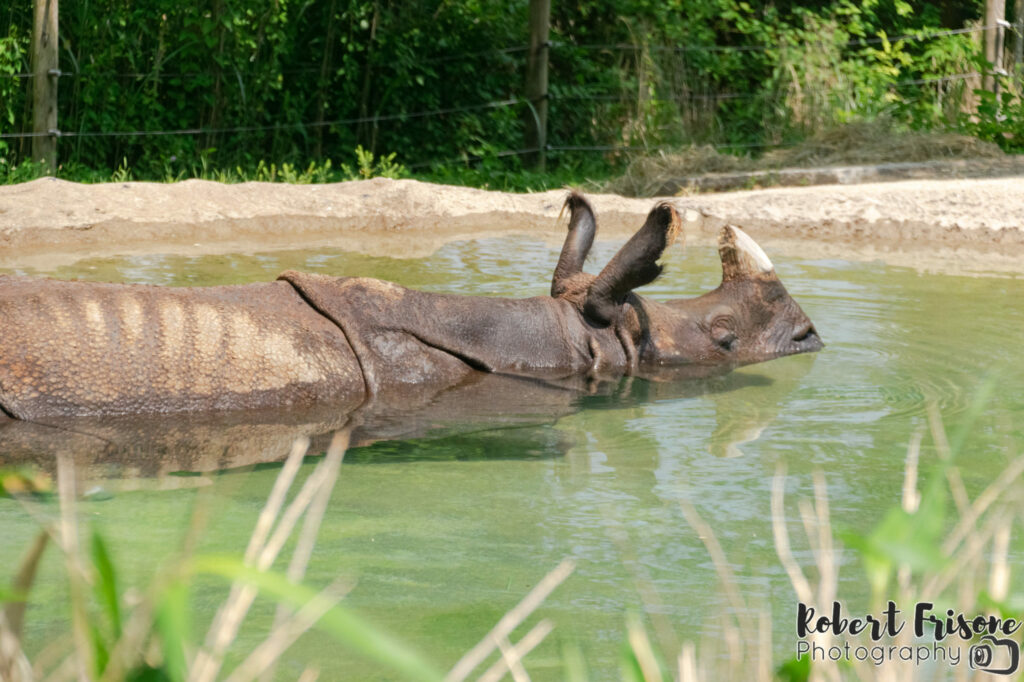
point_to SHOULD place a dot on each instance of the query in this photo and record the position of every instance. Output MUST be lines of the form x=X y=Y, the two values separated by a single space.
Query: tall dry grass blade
x=311 y=525
x=688 y=663
x=311 y=528
x=229 y=617
x=820 y=548
x=999 y=578
x=323 y=476
x=965 y=556
x=967 y=522
x=764 y=647
x=938 y=432
x=654 y=605
x=828 y=568
x=204 y=666
x=511 y=661
x=714 y=548
x=510 y=621
x=66 y=670
x=644 y=652
x=781 y=535
x=68 y=533
x=50 y=657
x=733 y=639
x=911 y=498
x=283 y=636
x=14 y=664
x=518 y=651
x=276 y=499
x=14 y=611
x=309 y=675
x=942 y=447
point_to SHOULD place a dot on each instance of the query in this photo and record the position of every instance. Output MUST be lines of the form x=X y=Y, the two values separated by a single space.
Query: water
x=442 y=533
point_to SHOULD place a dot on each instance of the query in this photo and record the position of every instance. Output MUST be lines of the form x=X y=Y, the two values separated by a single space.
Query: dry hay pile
x=868 y=143
x=862 y=143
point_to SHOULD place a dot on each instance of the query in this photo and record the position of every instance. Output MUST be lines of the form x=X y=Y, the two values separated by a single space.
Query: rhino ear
x=634 y=265
x=582 y=228
x=741 y=257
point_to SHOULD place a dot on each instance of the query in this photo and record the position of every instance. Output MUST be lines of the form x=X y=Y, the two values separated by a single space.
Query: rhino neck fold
x=368 y=390
x=412 y=341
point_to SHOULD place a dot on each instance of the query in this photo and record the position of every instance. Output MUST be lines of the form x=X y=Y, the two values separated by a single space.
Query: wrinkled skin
x=70 y=349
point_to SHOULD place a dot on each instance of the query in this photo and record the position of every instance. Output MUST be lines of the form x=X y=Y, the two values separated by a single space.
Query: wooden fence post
x=995 y=18
x=536 y=116
x=45 y=74
x=1018 y=40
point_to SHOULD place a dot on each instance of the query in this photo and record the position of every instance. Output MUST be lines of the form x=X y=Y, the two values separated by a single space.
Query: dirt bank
x=958 y=225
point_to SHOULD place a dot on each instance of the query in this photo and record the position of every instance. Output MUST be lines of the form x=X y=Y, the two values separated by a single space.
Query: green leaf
x=904 y=539
x=795 y=670
x=172 y=624
x=344 y=625
x=106 y=583
x=100 y=650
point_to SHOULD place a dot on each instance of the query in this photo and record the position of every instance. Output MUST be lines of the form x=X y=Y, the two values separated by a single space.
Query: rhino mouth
x=805 y=340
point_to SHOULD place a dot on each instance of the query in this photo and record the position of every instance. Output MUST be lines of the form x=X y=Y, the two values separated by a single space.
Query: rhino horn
x=741 y=257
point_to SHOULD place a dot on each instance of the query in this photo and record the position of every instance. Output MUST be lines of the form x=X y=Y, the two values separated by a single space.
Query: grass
x=936 y=544
x=856 y=143
x=629 y=174
x=152 y=640
x=495 y=174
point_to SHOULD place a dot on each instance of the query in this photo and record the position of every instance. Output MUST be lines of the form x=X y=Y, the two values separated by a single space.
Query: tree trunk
x=44 y=87
x=536 y=114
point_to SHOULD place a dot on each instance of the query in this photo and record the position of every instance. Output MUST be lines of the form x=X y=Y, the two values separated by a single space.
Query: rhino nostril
x=803 y=333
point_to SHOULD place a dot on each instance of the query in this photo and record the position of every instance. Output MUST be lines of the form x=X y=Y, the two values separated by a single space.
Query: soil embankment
x=955 y=225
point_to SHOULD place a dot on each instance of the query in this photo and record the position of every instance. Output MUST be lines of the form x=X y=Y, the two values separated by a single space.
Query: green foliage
x=795 y=670
x=123 y=172
x=998 y=119
x=902 y=538
x=161 y=621
x=344 y=625
x=13 y=56
x=300 y=83
x=368 y=167
x=22 y=481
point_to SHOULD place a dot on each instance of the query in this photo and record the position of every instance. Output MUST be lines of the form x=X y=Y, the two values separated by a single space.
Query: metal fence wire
x=401 y=117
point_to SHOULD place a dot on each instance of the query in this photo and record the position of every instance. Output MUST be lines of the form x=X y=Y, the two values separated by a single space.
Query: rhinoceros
x=70 y=348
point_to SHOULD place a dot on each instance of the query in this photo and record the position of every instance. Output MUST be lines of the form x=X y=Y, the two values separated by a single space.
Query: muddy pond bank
x=955 y=226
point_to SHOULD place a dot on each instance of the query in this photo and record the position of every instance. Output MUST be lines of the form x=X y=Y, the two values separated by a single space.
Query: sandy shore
x=956 y=225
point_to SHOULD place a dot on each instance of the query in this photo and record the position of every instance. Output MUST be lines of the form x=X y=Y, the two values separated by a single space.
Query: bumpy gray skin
x=80 y=349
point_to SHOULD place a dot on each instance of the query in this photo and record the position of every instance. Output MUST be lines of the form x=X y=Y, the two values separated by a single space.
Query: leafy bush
x=293 y=83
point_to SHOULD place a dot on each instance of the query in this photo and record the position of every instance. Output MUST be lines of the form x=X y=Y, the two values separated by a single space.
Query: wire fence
x=554 y=45
x=856 y=42
x=494 y=104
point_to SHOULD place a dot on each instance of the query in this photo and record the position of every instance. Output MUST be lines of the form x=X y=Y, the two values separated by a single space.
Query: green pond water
x=442 y=534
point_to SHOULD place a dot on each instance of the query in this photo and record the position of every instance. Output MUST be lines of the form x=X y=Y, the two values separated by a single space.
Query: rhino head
x=749 y=318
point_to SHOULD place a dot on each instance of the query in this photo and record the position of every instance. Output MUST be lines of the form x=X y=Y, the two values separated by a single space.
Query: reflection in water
x=497 y=408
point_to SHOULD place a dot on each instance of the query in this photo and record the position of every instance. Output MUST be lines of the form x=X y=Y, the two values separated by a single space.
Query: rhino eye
x=723 y=337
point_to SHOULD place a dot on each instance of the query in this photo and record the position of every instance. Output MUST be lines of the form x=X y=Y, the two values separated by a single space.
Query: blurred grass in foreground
x=937 y=545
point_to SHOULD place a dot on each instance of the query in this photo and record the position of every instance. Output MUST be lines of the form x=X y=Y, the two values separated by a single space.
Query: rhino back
x=403 y=336
x=81 y=348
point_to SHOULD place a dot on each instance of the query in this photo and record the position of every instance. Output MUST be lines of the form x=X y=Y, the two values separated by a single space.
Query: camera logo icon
x=1005 y=651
